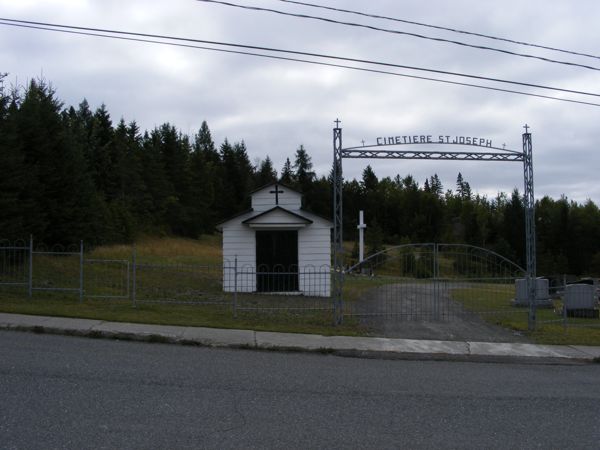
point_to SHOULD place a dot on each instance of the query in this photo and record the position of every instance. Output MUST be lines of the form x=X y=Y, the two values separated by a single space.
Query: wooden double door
x=277 y=261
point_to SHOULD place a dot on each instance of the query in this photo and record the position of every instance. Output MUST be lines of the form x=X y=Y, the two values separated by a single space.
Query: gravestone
x=580 y=300
x=542 y=298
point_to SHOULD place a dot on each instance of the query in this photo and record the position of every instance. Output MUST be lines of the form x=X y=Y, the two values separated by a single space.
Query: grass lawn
x=213 y=316
x=166 y=250
x=548 y=331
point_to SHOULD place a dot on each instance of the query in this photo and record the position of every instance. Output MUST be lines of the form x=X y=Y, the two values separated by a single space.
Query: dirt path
x=409 y=311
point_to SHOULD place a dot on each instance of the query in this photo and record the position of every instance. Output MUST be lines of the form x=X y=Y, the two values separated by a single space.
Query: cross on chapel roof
x=276 y=192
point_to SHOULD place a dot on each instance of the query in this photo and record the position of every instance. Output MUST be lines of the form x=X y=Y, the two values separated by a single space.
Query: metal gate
x=432 y=282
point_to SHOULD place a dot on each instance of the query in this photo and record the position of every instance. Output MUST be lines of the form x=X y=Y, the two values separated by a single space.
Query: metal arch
x=364 y=152
x=387 y=250
x=404 y=154
x=441 y=247
x=456 y=144
x=510 y=263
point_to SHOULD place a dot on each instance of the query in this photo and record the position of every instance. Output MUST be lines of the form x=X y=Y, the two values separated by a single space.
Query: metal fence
x=27 y=269
x=434 y=282
x=425 y=282
x=14 y=264
x=572 y=304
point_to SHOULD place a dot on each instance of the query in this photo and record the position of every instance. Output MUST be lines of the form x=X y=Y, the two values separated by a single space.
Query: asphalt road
x=67 y=392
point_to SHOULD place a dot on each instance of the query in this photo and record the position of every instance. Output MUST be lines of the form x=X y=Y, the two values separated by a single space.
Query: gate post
x=30 y=277
x=235 y=287
x=338 y=257
x=436 y=291
x=529 y=204
x=134 y=276
x=80 y=271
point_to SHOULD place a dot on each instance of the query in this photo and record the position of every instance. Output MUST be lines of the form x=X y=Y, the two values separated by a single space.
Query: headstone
x=542 y=298
x=580 y=300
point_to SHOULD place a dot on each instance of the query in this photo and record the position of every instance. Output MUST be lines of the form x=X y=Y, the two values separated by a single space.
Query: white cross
x=361 y=229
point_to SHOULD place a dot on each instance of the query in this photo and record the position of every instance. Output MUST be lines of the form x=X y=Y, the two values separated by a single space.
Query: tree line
x=70 y=173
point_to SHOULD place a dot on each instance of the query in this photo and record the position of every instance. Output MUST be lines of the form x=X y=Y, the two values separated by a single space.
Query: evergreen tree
x=207 y=179
x=155 y=179
x=237 y=178
x=463 y=189
x=57 y=186
x=426 y=187
x=436 y=185
x=369 y=180
x=266 y=173
x=287 y=175
x=12 y=170
x=303 y=173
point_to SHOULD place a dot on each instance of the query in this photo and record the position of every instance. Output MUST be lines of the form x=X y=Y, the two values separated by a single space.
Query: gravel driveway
x=408 y=311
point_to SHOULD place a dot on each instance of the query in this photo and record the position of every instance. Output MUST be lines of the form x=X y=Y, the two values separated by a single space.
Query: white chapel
x=278 y=246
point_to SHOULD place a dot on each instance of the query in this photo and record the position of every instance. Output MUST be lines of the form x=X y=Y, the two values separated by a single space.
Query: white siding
x=263 y=200
x=314 y=257
x=238 y=242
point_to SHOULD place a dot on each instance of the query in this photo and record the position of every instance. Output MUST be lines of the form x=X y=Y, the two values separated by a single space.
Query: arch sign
x=399 y=146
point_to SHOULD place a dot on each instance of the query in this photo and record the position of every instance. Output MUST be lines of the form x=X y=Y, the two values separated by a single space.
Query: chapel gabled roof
x=306 y=220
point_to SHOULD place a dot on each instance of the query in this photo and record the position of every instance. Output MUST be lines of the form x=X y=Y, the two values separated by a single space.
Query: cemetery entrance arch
x=394 y=147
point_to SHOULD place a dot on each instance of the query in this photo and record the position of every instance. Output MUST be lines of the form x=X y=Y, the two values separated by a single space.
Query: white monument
x=542 y=297
x=580 y=297
x=361 y=237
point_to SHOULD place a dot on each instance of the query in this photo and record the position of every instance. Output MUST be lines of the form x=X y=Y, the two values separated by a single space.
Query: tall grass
x=166 y=250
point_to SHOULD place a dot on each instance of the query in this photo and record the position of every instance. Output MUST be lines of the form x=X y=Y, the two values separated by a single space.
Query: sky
x=275 y=106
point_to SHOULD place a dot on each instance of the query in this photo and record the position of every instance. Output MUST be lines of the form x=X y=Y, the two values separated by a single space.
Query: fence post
x=30 y=280
x=80 y=271
x=436 y=294
x=134 y=277
x=235 y=274
x=564 y=311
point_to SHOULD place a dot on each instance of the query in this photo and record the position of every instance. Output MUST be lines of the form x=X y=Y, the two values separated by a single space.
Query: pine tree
x=303 y=174
x=463 y=189
x=237 y=179
x=287 y=176
x=369 y=180
x=12 y=171
x=57 y=186
x=207 y=179
x=436 y=185
x=266 y=173
x=426 y=187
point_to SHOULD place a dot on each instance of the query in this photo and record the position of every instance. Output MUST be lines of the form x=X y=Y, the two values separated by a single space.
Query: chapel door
x=277 y=261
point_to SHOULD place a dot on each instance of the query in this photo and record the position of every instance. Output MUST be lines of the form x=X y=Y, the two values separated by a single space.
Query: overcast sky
x=274 y=105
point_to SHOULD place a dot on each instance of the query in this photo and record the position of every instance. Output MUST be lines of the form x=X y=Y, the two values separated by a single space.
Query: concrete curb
x=364 y=347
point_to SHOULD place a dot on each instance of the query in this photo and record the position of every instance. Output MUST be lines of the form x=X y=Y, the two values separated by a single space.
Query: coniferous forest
x=72 y=173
